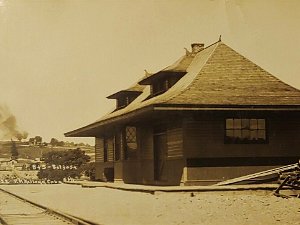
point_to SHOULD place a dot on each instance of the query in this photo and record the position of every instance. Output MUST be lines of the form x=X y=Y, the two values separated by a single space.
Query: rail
x=17 y=210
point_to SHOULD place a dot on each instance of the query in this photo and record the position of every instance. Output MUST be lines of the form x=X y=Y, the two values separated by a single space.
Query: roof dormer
x=125 y=97
x=163 y=80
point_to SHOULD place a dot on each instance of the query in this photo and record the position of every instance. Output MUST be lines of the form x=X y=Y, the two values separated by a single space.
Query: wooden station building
x=210 y=116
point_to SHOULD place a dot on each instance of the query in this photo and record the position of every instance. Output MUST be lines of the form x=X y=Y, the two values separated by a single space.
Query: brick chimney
x=197 y=47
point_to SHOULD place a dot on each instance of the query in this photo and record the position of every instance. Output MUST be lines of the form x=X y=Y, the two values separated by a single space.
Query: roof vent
x=197 y=47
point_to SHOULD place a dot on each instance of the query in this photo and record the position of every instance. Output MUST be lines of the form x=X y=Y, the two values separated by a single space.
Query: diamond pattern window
x=131 y=142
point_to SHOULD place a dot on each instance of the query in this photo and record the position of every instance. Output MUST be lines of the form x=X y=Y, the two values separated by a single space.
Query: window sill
x=229 y=142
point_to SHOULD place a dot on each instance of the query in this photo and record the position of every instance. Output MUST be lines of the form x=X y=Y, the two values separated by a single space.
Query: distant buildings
x=18 y=164
x=6 y=164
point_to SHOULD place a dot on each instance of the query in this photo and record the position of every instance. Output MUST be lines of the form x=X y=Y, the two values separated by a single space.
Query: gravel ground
x=110 y=206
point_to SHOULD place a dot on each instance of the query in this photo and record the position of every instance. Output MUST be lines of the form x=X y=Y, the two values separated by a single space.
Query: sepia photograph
x=149 y=112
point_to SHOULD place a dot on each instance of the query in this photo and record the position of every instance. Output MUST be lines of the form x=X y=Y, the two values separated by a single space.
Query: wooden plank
x=146 y=143
x=99 y=150
x=175 y=143
x=257 y=175
x=110 y=149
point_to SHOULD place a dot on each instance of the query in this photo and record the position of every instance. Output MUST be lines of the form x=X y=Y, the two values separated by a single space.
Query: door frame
x=159 y=153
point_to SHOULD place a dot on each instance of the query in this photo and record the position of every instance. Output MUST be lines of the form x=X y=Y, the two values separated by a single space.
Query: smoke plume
x=8 y=125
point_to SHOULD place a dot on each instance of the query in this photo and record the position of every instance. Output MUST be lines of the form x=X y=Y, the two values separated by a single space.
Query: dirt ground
x=109 y=206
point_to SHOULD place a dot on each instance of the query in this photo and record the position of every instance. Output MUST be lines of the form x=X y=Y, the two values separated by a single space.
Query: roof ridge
x=212 y=44
x=190 y=55
x=190 y=84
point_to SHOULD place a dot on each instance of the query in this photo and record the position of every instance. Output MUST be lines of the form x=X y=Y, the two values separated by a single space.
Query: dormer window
x=162 y=81
x=123 y=101
x=159 y=87
x=124 y=97
x=162 y=85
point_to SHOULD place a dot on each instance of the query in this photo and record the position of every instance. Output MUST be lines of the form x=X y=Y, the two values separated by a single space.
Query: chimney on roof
x=197 y=47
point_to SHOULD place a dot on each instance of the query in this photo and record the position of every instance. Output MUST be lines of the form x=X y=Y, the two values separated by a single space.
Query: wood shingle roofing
x=179 y=67
x=228 y=78
x=216 y=77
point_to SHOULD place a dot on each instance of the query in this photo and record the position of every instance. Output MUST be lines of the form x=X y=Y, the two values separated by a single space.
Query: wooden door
x=160 y=154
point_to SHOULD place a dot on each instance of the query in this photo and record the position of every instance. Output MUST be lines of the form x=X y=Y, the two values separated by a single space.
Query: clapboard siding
x=99 y=150
x=110 y=149
x=175 y=142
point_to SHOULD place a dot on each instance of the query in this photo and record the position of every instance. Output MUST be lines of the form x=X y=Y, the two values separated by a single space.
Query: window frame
x=158 y=87
x=130 y=153
x=163 y=85
x=241 y=140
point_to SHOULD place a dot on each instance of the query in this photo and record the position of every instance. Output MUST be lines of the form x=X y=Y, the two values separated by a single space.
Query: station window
x=131 y=142
x=245 y=131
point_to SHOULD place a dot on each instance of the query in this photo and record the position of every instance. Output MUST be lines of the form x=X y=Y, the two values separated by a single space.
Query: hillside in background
x=27 y=151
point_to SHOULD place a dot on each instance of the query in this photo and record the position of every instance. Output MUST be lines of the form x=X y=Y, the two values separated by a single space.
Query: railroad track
x=15 y=210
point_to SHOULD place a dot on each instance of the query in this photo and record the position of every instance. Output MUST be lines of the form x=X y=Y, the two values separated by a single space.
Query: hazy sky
x=59 y=59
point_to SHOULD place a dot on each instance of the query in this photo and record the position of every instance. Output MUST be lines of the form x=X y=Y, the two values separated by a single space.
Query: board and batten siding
x=110 y=150
x=99 y=150
x=175 y=143
x=146 y=142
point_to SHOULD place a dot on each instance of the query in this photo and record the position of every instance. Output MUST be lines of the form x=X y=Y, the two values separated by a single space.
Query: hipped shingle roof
x=228 y=78
x=215 y=77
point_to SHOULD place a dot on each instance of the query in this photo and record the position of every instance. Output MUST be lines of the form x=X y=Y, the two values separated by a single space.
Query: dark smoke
x=8 y=126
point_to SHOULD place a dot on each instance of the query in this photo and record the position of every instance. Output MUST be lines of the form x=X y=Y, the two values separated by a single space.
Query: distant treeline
x=38 y=141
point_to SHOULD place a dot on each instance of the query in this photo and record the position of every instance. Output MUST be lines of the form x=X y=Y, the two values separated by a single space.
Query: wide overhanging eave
x=185 y=107
x=93 y=129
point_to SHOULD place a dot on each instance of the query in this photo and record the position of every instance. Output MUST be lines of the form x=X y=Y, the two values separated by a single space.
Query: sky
x=60 y=59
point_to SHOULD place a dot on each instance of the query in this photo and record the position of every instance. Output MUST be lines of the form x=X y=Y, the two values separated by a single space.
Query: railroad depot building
x=210 y=116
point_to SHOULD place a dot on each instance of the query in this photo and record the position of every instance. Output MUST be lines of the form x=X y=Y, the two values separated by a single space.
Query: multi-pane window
x=242 y=130
x=131 y=142
x=123 y=101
